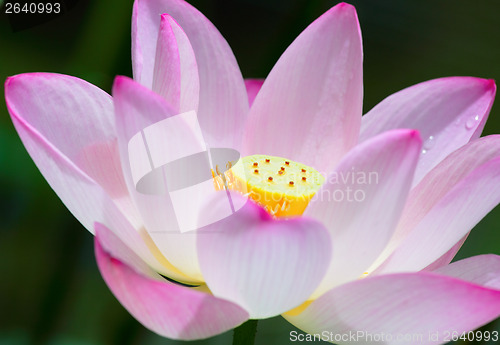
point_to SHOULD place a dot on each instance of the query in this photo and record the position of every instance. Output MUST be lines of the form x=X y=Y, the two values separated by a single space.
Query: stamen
x=267 y=160
x=269 y=178
x=255 y=164
x=256 y=171
x=282 y=168
x=280 y=172
x=287 y=163
x=291 y=183
x=303 y=170
x=304 y=178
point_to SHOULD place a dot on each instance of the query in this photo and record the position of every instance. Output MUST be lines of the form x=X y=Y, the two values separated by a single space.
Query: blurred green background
x=51 y=291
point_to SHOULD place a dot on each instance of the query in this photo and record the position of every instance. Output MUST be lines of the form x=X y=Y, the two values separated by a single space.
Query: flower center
x=283 y=187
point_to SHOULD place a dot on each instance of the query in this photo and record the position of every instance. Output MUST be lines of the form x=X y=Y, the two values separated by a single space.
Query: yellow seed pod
x=283 y=187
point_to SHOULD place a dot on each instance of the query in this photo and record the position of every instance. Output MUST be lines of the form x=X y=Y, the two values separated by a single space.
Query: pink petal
x=482 y=269
x=309 y=108
x=265 y=265
x=445 y=206
x=253 y=87
x=86 y=200
x=63 y=118
x=448 y=112
x=361 y=201
x=223 y=104
x=168 y=309
x=447 y=257
x=424 y=307
x=147 y=143
x=175 y=75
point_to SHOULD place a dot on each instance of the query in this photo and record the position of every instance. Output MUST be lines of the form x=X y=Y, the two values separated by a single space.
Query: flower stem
x=245 y=333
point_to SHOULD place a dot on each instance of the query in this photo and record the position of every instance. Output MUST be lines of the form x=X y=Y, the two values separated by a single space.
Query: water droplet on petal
x=429 y=143
x=472 y=122
x=424 y=152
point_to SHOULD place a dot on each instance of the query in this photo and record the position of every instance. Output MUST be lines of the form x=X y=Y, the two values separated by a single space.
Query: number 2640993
x=32 y=8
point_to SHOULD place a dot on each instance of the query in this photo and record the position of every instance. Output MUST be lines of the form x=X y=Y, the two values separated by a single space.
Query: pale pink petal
x=448 y=221
x=168 y=309
x=361 y=201
x=265 y=265
x=309 y=108
x=415 y=308
x=150 y=137
x=447 y=257
x=75 y=118
x=223 y=104
x=445 y=206
x=447 y=112
x=86 y=200
x=253 y=87
x=482 y=269
x=175 y=75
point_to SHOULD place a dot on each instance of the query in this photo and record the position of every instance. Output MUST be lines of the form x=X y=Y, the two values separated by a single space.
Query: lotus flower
x=377 y=262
